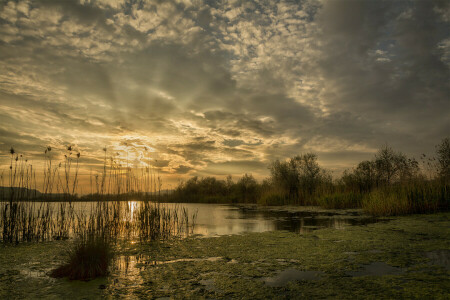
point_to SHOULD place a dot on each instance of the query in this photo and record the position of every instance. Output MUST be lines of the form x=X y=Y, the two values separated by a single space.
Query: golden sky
x=222 y=87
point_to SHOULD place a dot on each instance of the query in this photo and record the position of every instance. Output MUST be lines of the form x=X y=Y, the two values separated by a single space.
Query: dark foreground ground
x=406 y=257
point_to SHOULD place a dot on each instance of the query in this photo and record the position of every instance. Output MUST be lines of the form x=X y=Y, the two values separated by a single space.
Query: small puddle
x=148 y=262
x=440 y=258
x=130 y=265
x=34 y=273
x=376 y=269
x=35 y=270
x=208 y=284
x=164 y=262
x=289 y=275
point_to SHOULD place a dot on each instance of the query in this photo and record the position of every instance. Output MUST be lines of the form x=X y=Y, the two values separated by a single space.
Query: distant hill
x=24 y=194
x=19 y=193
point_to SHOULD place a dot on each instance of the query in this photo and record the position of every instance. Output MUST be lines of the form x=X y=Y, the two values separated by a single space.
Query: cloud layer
x=223 y=87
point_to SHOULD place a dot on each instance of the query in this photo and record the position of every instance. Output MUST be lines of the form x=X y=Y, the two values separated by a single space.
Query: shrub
x=89 y=259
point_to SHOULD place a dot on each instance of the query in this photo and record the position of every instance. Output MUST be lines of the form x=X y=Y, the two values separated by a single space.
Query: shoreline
x=412 y=251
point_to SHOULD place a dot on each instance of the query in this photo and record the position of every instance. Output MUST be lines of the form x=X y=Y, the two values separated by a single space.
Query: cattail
x=12 y=151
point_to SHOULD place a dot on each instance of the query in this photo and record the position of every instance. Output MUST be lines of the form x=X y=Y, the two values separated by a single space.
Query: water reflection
x=216 y=220
x=125 y=274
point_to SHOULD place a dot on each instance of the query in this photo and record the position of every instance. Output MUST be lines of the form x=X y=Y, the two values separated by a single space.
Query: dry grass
x=425 y=197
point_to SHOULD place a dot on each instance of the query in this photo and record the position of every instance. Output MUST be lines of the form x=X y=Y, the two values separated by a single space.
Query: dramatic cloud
x=223 y=87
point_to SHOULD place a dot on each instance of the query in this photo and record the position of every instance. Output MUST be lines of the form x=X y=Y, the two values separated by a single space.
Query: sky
x=216 y=88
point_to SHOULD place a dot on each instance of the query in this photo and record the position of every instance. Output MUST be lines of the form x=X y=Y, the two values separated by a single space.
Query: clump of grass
x=341 y=200
x=89 y=259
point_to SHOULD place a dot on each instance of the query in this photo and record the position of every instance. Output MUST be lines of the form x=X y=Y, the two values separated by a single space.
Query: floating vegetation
x=288 y=275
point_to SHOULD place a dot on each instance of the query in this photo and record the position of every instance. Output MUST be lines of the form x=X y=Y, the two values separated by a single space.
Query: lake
x=226 y=219
x=217 y=219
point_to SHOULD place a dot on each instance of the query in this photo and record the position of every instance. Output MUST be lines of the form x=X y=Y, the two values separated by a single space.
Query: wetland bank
x=403 y=257
x=380 y=231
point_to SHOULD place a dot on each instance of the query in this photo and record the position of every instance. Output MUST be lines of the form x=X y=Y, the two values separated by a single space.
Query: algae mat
x=407 y=257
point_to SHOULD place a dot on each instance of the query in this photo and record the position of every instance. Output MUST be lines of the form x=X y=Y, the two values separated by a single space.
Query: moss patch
x=246 y=260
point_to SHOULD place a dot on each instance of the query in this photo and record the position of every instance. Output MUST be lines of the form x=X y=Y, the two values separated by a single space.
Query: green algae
x=242 y=262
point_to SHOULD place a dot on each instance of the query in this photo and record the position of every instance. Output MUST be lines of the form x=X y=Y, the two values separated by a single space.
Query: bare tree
x=300 y=173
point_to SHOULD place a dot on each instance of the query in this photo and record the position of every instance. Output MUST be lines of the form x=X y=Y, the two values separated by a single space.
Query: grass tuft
x=89 y=259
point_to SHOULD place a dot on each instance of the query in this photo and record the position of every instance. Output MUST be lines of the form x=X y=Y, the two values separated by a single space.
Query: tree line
x=301 y=180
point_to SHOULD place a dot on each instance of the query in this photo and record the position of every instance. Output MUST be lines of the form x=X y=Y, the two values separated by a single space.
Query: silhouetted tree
x=366 y=175
x=248 y=188
x=311 y=174
x=301 y=173
x=386 y=164
x=286 y=176
x=394 y=166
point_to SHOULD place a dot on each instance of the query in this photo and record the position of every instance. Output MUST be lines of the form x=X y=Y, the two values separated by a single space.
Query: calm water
x=219 y=219
x=216 y=220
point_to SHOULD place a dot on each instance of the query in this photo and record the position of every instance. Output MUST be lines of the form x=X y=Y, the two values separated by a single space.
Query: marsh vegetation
x=28 y=215
x=389 y=184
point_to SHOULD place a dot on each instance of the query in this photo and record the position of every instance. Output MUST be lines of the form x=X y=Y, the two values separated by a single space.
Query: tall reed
x=21 y=220
x=425 y=197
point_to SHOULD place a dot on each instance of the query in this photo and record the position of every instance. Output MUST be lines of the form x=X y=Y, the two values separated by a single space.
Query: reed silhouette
x=29 y=215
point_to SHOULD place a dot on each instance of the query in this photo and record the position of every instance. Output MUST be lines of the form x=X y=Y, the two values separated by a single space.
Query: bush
x=89 y=259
